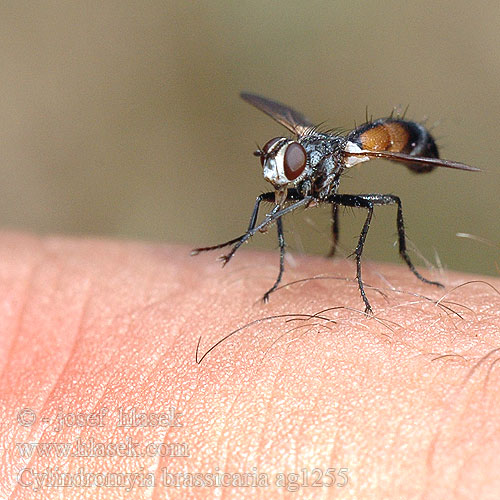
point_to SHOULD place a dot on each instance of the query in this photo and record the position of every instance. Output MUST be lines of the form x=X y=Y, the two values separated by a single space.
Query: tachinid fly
x=306 y=170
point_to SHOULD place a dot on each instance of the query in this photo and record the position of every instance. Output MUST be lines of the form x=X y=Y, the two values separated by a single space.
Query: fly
x=306 y=170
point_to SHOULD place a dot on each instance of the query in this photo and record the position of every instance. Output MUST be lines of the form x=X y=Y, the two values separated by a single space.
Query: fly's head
x=284 y=164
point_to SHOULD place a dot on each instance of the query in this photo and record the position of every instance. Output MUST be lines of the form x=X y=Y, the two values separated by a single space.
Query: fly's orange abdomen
x=399 y=136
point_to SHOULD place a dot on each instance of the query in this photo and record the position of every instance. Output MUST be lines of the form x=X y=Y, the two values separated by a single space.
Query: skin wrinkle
x=145 y=384
x=143 y=351
x=269 y=396
x=44 y=431
x=268 y=420
x=194 y=395
x=222 y=433
x=157 y=493
x=17 y=329
x=272 y=397
x=149 y=379
x=489 y=372
x=335 y=451
x=314 y=411
x=453 y=476
x=37 y=432
x=104 y=387
x=71 y=352
x=310 y=416
x=157 y=472
x=279 y=358
x=458 y=405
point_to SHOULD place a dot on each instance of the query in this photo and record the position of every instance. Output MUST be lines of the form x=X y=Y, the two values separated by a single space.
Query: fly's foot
x=224 y=259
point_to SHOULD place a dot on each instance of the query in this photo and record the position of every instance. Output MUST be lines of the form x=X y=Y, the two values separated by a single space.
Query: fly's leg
x=281 y=242
x=368 y=201
x=253 y=219
x=335 y=229
x=390 y=199
x=274 y=216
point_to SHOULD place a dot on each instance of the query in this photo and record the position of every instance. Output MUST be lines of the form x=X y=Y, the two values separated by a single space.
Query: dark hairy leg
x=281 y=242
x=368 y=201
x=335 y=229
x=274 y=216
x=253 y=219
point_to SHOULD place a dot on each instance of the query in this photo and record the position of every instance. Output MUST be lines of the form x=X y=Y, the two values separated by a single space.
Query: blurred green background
x=123 y=118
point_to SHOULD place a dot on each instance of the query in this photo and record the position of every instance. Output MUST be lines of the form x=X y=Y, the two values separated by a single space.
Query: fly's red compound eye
x=295 y=160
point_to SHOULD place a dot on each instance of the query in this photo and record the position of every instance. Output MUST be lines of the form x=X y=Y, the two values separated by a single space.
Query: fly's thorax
x=327 y=161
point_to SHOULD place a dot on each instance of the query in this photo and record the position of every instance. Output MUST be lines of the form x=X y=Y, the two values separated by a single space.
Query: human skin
x=407 y=400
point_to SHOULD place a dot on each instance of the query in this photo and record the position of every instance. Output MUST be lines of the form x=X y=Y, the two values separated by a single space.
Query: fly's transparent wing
x=417 y=160
x=288 y=117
